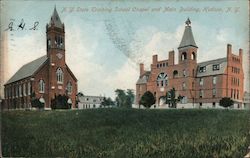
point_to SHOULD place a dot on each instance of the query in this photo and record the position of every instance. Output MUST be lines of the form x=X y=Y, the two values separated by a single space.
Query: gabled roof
x=28 y=69
x=55 y=19
x=209 y=67
x=187 y=38
x=144 y=78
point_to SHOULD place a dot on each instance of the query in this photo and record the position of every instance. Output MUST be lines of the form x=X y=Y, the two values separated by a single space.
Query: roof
x=143 y=78
x=187 y=38
x=209 y=67
x=28 y=69
x=55 y=19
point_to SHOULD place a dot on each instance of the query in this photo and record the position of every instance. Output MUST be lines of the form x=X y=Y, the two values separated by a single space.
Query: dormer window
x=216 y=67
x=202 y=69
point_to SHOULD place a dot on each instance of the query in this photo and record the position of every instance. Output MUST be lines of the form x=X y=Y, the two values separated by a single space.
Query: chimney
x=155 y=59
x=241 y=54
x=171 y=57
x=229 y=49
x=141 y=69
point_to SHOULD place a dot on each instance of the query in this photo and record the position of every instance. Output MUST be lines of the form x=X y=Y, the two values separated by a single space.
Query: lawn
x=126 y=133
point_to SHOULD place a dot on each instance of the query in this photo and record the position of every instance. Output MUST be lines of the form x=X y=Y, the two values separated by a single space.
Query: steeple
x=55 y=20
x=187 y=38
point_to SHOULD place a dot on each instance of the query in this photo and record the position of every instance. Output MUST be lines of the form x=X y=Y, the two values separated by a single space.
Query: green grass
x=126 y=133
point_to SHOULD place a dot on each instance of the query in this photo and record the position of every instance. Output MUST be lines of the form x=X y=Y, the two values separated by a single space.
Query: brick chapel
x=45 y=77
x=201 y=84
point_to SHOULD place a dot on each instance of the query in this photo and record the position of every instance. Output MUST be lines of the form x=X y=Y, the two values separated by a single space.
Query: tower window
x=183 y=56
x=41 y=86
x=59 y=75
x=193 y=57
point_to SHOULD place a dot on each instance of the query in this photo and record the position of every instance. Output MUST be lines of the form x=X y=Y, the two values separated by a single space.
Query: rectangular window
x=214 y=93
x=201 y=93
x=201 y=82
x=202 y=69
x=29 y=88
x=214 y=80
x=216 y=67
x=24 y=89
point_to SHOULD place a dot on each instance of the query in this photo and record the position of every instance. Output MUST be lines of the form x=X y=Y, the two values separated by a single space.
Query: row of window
x=58 y=41
x=201 y=82
x=42 y=86
x=235 y=94
x=215 y=67
x=184 y=56
x=236 y=70
x=162 y=65
x=235 y=81
x=18 y=90
x=236 y=59
x=201 y=93
x=162 y=81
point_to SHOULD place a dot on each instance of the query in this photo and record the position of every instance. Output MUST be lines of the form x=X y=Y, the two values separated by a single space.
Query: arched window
x=41 y=86
x=193 y=57
x=175 y=74
x=162 y=79
x=69 y=87
x=183 y=85
x=183 y=56
x=59 y=75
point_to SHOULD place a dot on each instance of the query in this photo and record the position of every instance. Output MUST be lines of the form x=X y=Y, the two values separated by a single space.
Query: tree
x=226 y=102
x=171 y=99
x=35 y=102
x=107 y=102
x=124 y=99
x=147 y=99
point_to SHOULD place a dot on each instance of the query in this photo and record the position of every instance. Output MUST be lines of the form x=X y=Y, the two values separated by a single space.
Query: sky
x=106 y=40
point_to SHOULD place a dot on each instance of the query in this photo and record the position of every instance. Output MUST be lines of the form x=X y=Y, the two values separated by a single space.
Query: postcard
x=116 y=78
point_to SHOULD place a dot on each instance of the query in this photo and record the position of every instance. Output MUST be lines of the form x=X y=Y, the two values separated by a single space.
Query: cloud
x=24 y=48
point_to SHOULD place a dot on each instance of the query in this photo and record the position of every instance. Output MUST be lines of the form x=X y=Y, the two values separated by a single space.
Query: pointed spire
x=187 y=38
x=55 y=19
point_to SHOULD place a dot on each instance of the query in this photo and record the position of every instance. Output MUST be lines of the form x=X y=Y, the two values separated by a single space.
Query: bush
x=60 y=102
x=147 y=99
x=226 y=102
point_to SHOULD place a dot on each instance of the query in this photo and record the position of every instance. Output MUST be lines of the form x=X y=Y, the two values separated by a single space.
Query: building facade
x=45 y=77
x=89 y=102
x=200 y=84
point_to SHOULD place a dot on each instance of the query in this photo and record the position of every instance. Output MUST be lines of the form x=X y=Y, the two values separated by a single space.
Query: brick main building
x=200 y=84
x=45 y=77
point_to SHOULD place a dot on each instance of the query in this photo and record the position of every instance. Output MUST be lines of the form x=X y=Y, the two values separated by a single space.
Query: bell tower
x=55 y=36
x=187 y=48
x=188 y=62
x=55 y=40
